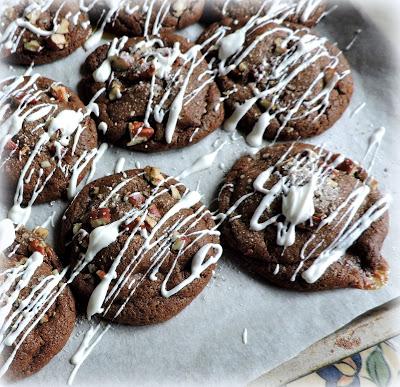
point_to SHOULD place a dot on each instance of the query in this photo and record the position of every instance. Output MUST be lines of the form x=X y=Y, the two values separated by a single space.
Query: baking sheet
x=203 y=345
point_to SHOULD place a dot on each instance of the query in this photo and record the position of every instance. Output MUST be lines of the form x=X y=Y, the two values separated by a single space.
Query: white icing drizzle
x=244 y=336
x=85 y=349
x=201 y=164
x=12 y=34
x=305 y=8
x=358 y=109
x=353 y=40
x=103 y=127
x=99 y=154
x=297 y=189
x=50 y=221
x=7 y=234
x=104 y=71
x=119 y=165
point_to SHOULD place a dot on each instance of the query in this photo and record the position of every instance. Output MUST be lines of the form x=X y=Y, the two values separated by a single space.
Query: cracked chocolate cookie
x=143 y=245
x=141 y=17
x=41 y=32
x=158 y=93
x=47 y=141
x=238 y=12
x=279 y=83
x=41 y=309
x=306 y=219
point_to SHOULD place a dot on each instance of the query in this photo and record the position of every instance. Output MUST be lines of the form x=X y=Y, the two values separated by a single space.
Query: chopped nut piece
x=279 y=49
x=100 y=217
x=243 y=66
x=94 y=191
x=76 y=227
x=37 y=245
x=33 y=46
x=153 y=210
x=55 y=272
x=44 y=319
x=115 y=92
x=136 y=199
x=119 y=64
x=33 y=16
x=41 y=232
x=139 y=133
x=45 y=164
x=179 y=243
x=60 y=92
x=265 y=103
x=153 y=175
x=178 y=7
x=346 y=166
x=175 y=192
x=150 y=222
x=10 y=146
x=58 y=41
x=63 y=27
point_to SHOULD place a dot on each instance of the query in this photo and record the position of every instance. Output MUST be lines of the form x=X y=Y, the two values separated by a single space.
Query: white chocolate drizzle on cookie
x=19 y=313
x=64 y=127
x=11 y=36
x=169 y=64
x=177 y=238
x=296 y=179
x=297 y=51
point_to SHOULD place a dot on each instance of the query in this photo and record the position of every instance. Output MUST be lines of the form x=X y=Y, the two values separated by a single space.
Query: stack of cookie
x=137 y=247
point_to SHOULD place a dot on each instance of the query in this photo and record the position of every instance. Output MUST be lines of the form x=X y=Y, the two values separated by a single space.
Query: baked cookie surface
x=279 y=83
x=37 y=327
x=41 y=32
x=140 y=17
x=306 y=219
x=148 y=246
x=159 y=95
x=305 y=12
x=48 y=141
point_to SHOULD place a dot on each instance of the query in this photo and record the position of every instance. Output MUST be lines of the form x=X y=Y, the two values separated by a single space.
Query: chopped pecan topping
x=139 y=133
x=100 y=217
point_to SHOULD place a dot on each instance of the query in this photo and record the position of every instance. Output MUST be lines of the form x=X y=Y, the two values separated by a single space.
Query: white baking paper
x=203 y=345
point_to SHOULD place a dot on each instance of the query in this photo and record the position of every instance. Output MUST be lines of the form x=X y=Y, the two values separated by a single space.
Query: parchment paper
x=203 y=344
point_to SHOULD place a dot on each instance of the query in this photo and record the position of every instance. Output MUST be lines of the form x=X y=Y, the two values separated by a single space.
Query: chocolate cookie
x=147 y=246
x=42 y=32
x=158 y=94
x=142 y=17
x=238 y=12
x=306 y=219
x=42 y=309
x=280 y=83
x=47 y=141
